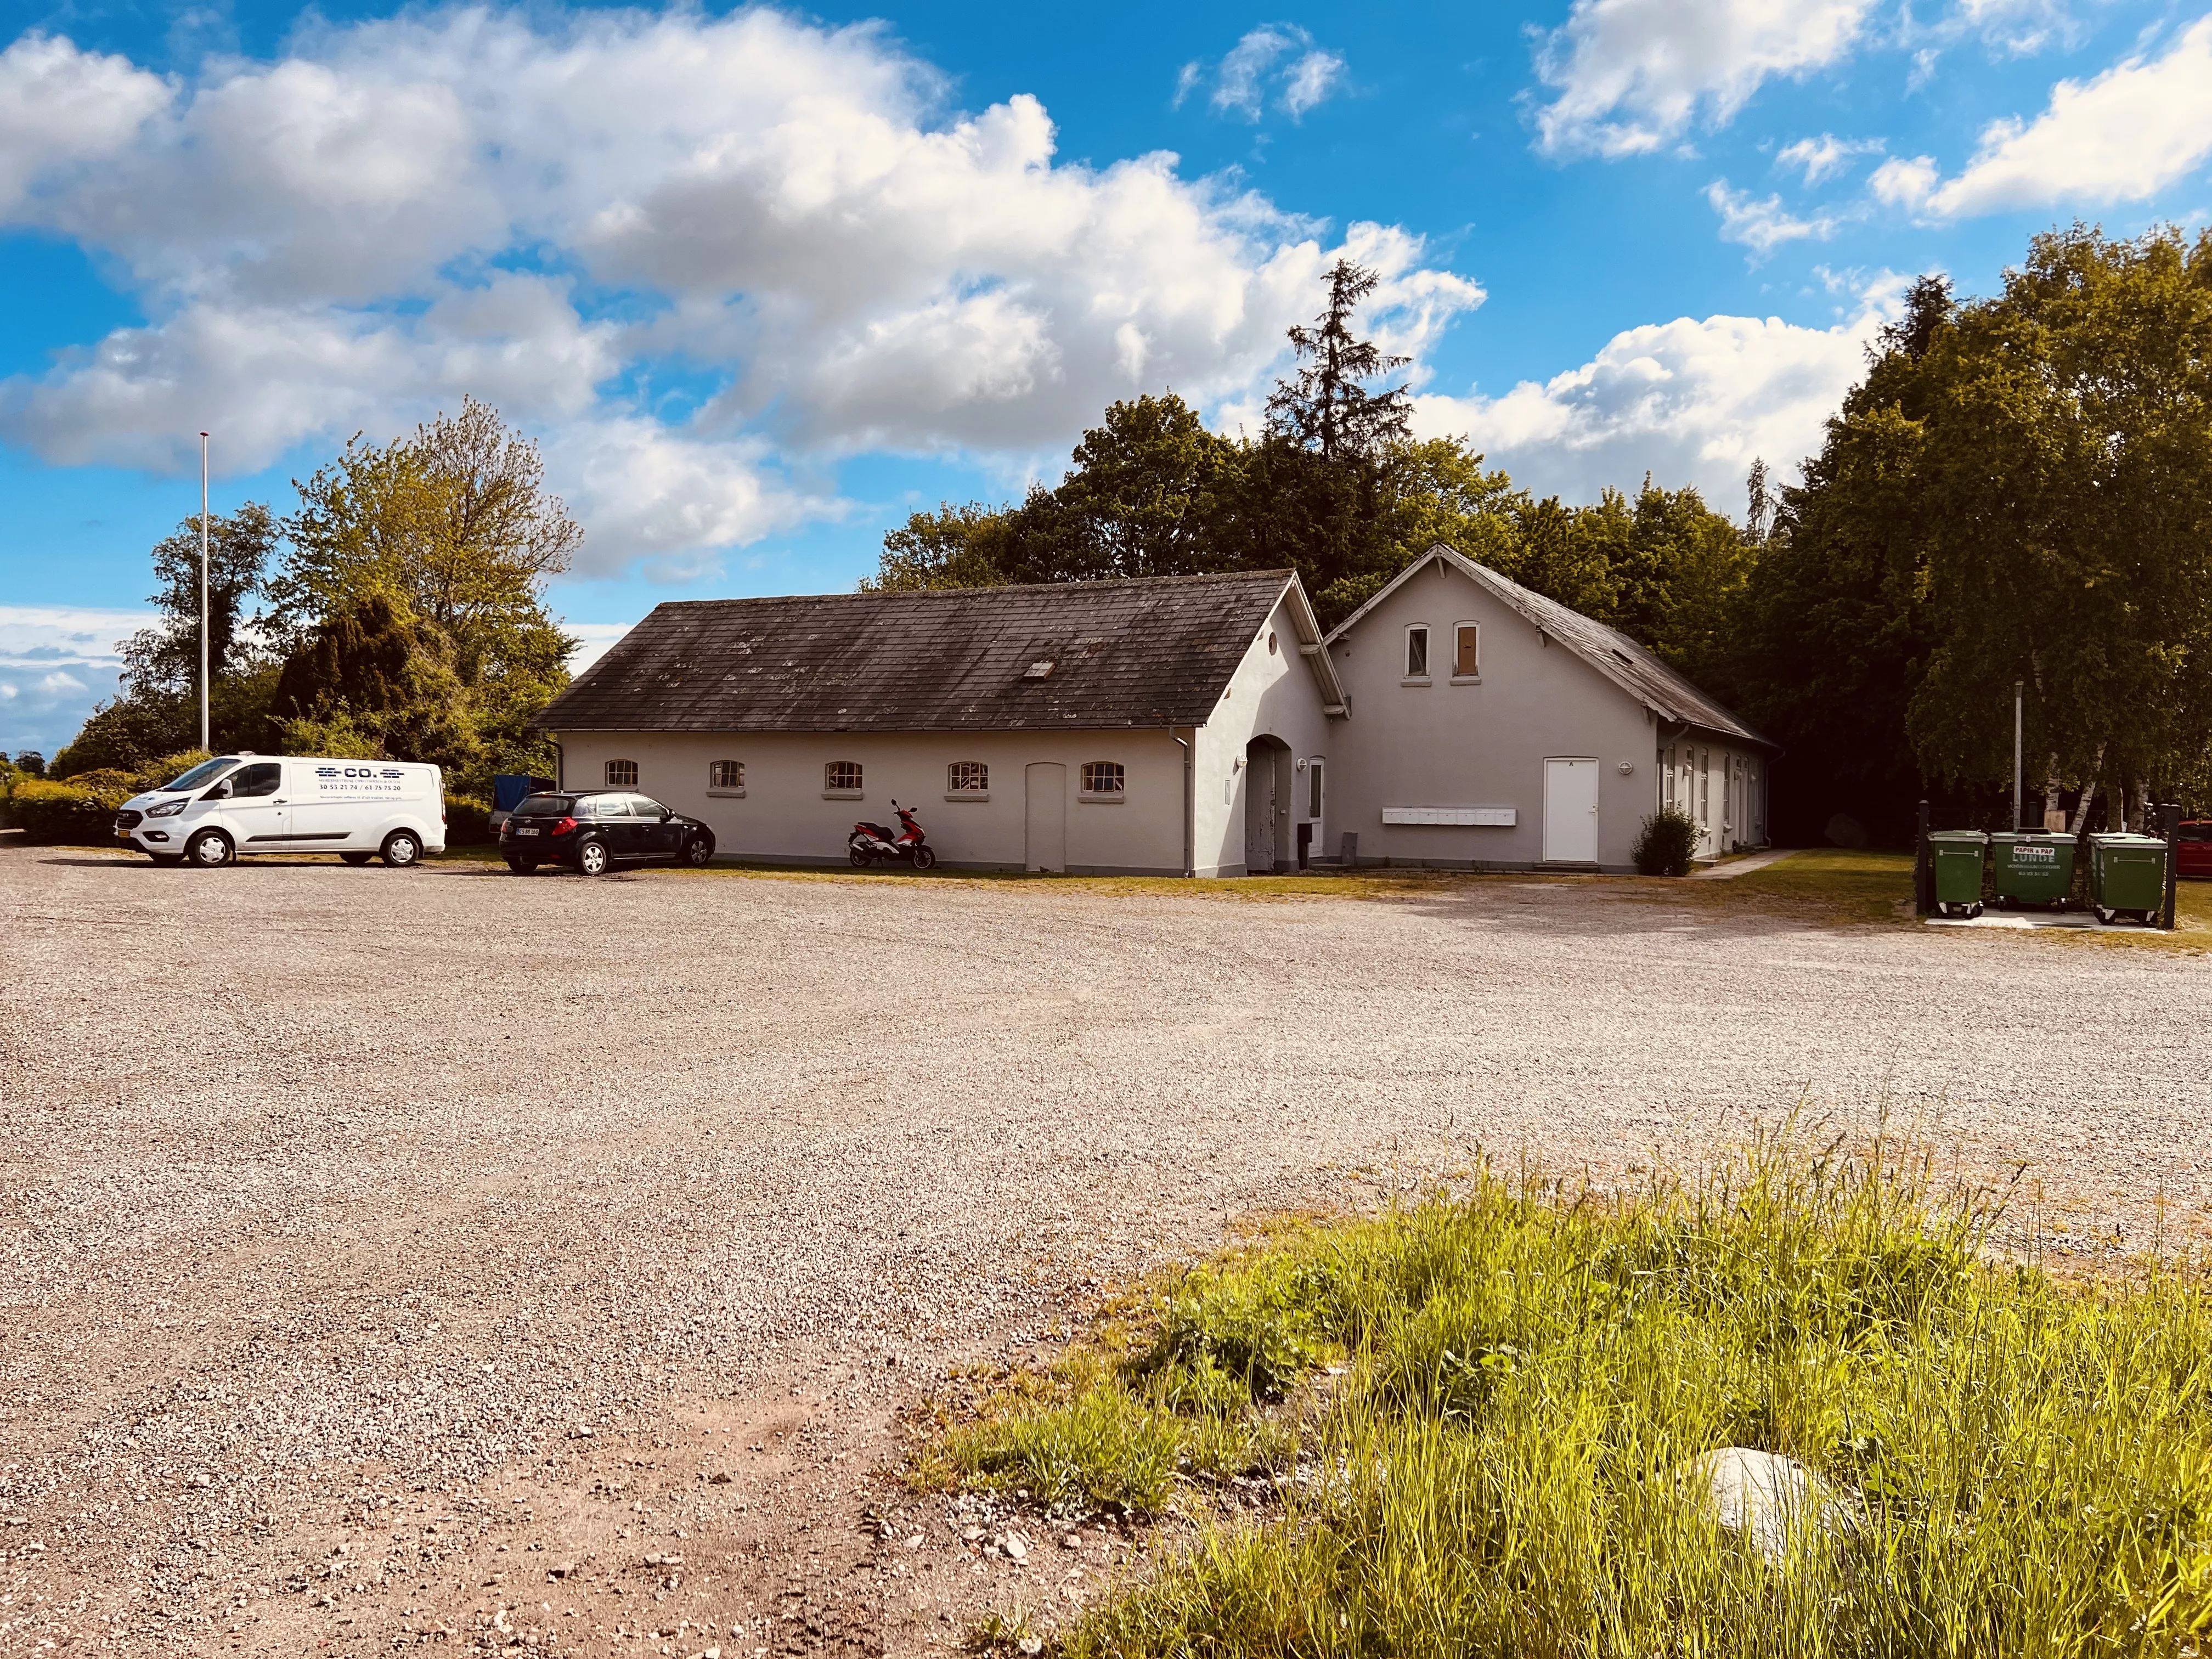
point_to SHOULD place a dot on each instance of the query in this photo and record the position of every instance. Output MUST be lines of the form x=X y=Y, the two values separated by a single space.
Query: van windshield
x=543 y=806
x=205 y=772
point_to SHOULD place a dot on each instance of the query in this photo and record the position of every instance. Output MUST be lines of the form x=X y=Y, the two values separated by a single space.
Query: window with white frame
x=967 y=778
x=1416 y=652
x=1102 y=778
x=841 y=774
x=1467 y=653
x=727 y=775
x=621 y=774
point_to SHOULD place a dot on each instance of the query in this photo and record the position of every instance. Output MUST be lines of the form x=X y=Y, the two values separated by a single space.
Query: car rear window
x=2196 y=832
x=543 y=806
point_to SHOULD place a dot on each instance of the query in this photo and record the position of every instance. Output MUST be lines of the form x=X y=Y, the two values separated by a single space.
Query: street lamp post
x=2017 y=802
x=204 y=591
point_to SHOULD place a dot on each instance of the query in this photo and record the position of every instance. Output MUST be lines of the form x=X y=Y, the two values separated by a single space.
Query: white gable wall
x=1481 y=743
x=1272 y=694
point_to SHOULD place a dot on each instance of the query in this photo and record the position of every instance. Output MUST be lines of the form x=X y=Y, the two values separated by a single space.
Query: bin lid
x=1975 y=836
x=2015 y=837
x=2125 y=838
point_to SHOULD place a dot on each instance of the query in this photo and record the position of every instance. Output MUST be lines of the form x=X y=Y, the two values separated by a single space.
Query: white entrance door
x=1047 y=782
x=1571 y=811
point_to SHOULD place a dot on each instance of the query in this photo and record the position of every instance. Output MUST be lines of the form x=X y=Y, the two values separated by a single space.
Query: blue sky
x=761 y=281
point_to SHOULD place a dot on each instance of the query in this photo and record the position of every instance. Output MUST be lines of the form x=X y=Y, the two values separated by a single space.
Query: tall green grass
x=1520 y=1375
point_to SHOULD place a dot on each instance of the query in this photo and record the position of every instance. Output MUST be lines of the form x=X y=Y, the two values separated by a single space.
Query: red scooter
x=871 y=843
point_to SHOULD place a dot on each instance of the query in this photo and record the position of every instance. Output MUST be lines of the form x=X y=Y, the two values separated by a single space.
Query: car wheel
x=356 y=858
x=699 y=851
x=592 y=859
x=522 y=866
x=211 y=849
x=402 y=849
x=924 y=859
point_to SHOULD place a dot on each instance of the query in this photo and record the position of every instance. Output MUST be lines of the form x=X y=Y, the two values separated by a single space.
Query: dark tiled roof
x=1151 y=652
x=1614 y=653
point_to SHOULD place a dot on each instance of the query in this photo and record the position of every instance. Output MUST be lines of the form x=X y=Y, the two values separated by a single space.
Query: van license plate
x=525 y=832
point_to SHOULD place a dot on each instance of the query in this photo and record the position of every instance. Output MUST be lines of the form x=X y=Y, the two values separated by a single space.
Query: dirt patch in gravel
x=347 y=1208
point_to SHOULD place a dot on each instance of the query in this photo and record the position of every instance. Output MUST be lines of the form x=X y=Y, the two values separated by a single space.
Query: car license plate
x=525 y=832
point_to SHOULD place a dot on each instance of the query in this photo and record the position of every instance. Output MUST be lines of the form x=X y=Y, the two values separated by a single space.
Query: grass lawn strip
x=1473 y=1416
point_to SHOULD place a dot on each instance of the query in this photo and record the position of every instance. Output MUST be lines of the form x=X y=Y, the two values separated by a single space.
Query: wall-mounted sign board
x=1501 y=818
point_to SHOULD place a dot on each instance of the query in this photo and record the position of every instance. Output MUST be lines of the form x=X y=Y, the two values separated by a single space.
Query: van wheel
x=402 y=849
x=592 y=859
x=698 y=851
x=356 y=858
x=211 y=849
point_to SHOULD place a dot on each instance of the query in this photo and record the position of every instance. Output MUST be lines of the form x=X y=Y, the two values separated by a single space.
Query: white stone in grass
x=1763 y=1497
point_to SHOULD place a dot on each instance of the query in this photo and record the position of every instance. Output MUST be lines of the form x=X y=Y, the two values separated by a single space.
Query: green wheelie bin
x=2034 y=866
x=1957 y=857
x=2127 y=878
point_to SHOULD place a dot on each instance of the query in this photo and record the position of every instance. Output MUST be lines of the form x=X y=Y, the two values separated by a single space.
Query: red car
x=2192 y=852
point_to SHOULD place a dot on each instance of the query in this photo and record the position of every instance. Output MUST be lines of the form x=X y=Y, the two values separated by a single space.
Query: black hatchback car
x=591 y=831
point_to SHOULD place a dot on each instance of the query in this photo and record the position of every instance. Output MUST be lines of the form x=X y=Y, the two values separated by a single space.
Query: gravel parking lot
x=373 y=1244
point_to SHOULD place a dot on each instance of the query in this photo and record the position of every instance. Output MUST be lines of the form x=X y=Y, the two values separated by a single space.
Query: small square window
x=841 y=774
x=621 y=774
x=1466 y=657
x=1101 y=777
x=727 y=775
x=973 y=776
x=1417 y=653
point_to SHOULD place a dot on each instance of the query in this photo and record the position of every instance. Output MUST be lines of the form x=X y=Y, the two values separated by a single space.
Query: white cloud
x=1277 y=60
x=1632 y=76
x=63 y=111
x=2122 y=136
x=2017 y=26
x=1690 y=401
x=1825 y=157
x=1905 y=181
x=545 y=211
x=56 y=662
x=1762 y=226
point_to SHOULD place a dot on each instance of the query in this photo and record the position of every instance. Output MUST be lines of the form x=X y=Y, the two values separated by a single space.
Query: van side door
x=319 y=821
x=258 y=811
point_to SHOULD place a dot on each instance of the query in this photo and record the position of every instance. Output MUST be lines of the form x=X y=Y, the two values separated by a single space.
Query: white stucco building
x=1141 y=727
x=1189 y=724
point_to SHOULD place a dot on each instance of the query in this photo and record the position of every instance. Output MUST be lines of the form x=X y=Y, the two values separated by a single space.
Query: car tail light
x=563 y=827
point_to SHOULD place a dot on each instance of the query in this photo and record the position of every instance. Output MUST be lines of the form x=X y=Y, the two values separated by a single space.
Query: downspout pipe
x=1189 y=833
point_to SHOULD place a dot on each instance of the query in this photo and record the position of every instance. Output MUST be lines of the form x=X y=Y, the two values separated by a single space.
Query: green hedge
x=468 y=821
x=76 y=811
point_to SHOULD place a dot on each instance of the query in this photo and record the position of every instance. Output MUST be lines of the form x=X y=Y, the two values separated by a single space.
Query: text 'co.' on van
x=235 y=806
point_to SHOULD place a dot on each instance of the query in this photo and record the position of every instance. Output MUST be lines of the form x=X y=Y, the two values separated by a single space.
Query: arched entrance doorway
x=1267 y=807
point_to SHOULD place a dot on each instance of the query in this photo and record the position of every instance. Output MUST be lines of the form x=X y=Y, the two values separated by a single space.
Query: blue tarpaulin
x=507 y=789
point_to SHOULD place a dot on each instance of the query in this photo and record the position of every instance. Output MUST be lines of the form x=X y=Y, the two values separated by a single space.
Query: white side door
x=319 y=823
x=1571 y=811
x=1046 y=807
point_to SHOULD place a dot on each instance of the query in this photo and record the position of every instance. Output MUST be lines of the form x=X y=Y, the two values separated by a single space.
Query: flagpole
x=203 y=590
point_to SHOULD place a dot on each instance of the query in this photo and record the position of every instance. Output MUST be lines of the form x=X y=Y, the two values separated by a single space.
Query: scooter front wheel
x=924 y=859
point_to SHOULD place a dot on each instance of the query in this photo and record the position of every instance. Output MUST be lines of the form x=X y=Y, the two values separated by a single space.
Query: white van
x=246 y=803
